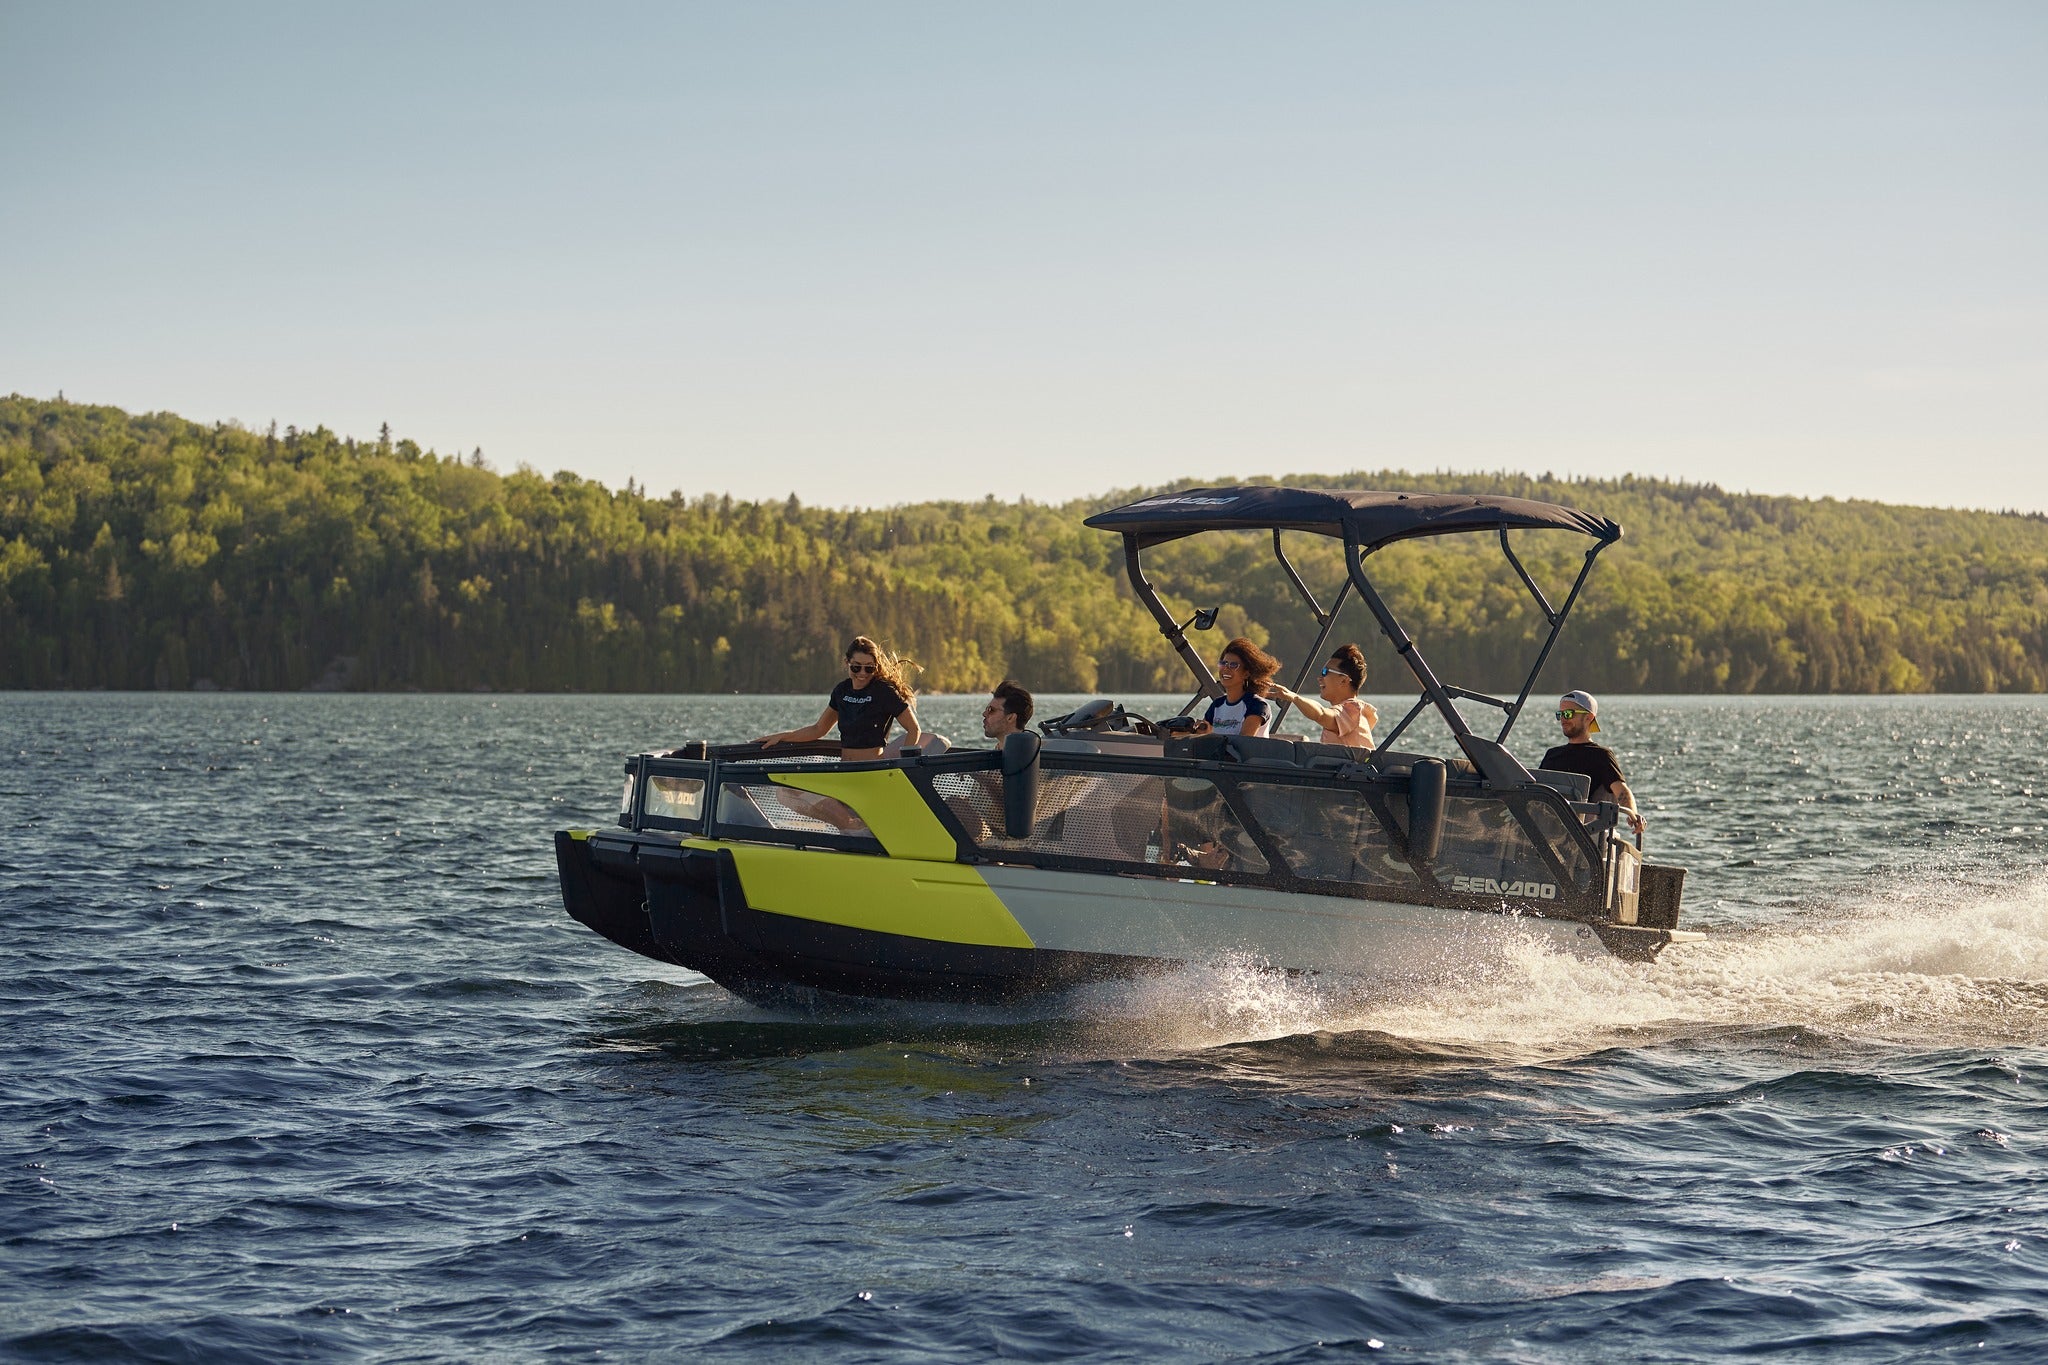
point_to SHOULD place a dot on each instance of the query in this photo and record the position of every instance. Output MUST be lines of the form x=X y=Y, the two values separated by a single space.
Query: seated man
x=1008 y=711
x=1579 y=715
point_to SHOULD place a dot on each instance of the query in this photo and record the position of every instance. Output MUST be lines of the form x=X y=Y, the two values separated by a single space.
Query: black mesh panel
x=1104 y=817
x=1327 y=834
x=1568 y=850
x=1486 y=851
x=770 y=805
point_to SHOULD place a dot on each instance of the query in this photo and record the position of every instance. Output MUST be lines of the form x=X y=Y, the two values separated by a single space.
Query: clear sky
x=880 y=252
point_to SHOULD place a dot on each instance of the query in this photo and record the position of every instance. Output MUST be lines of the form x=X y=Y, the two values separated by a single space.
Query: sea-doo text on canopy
x=1000 y=873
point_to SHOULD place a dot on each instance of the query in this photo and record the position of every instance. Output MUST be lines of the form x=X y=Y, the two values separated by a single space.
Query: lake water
x=305 y=1061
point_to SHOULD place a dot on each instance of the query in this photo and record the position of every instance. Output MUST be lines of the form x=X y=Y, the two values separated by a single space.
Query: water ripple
x=306 y=1062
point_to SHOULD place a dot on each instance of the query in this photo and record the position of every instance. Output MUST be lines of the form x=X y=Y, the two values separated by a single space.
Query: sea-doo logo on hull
x=1487 y=886
x=1185 y=502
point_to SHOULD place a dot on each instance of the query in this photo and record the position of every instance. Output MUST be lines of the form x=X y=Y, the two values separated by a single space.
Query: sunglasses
x=1334 y=673
x=1228 y=665
x=1568 y=713
x=863 y=668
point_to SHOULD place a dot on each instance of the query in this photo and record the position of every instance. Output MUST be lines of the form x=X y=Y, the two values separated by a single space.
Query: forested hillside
x=153 y=552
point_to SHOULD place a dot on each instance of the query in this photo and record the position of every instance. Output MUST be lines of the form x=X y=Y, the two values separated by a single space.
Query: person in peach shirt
x=1344 y=717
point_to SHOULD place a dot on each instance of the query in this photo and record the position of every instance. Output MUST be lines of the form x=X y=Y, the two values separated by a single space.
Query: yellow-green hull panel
x=944 y=902
x=892 y=807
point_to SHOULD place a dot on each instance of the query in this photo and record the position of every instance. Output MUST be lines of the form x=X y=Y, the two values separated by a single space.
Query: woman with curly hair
x=1344 y=718
x=1244 y=670
x=864 y=704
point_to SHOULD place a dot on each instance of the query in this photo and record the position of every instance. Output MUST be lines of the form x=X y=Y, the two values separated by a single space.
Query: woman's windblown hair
x=1259 y=666
x=891 y=671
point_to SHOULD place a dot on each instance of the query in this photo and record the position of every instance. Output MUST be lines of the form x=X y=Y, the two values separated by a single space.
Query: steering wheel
x=1098 y=715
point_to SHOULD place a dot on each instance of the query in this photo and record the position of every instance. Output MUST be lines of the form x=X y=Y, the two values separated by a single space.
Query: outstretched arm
x=807 y=734
x=1309 y=707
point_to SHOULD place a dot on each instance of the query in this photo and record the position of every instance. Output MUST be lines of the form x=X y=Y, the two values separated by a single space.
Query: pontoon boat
x=1062 y=858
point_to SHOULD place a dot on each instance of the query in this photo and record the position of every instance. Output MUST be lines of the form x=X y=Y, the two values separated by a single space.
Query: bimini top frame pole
x=1326 y=619
x=1490 y=756
x=1175 y=633
x=1495 y=763
x=1366 y=521
x=1554 y=617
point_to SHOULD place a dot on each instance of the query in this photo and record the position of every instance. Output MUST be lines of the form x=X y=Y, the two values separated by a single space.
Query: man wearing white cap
x=1579 y=715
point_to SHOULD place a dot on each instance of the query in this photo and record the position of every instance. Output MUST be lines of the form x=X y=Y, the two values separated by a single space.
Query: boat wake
x=1926 y=963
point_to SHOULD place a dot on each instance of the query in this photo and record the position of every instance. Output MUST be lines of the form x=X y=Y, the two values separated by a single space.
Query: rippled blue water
x=304 y=1060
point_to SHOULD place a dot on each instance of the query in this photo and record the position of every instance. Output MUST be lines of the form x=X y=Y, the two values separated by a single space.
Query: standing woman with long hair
x=864 y=704
x=1345 y=719
x=1245 y=671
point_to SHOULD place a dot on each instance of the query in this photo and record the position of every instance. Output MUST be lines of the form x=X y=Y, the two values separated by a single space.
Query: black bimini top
x=1375 y=518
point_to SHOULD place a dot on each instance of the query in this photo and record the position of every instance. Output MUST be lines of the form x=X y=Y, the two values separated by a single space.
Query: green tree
x=142 y=551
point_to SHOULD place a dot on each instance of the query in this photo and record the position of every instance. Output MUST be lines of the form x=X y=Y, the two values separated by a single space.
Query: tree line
x=147 y=551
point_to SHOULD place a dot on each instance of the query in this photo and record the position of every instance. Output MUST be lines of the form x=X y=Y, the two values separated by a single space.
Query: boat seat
x=1313 y=753
x=1572 y=785
x=1575 y=786
x=1257 y=750
x=1264 y=751
x=1402 y=764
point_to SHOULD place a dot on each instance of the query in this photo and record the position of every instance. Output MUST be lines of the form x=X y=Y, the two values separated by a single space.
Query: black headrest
x=1576 y=786
x=1206 y=747
x=1260 y=749
x=1235 y=749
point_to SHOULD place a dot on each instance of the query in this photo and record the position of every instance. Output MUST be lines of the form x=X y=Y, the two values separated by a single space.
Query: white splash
x=1236 y=999
x=1932 y=963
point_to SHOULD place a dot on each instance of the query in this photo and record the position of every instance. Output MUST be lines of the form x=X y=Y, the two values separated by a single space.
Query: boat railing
x=732 y=791
x=1315 y=826
x=1304 y=828
x=753 y=752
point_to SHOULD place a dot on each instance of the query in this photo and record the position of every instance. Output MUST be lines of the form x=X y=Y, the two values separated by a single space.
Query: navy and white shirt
x=1228 y=717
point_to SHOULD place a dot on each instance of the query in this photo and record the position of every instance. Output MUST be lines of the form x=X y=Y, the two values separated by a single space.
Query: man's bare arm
x=1626 y=799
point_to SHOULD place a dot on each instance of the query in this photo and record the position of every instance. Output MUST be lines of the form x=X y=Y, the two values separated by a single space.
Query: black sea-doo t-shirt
x=1595 y=762
x=864 y=715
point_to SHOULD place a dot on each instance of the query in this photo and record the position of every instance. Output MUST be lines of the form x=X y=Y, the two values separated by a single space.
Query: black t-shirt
x=1591 y=759
x=864 y=715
